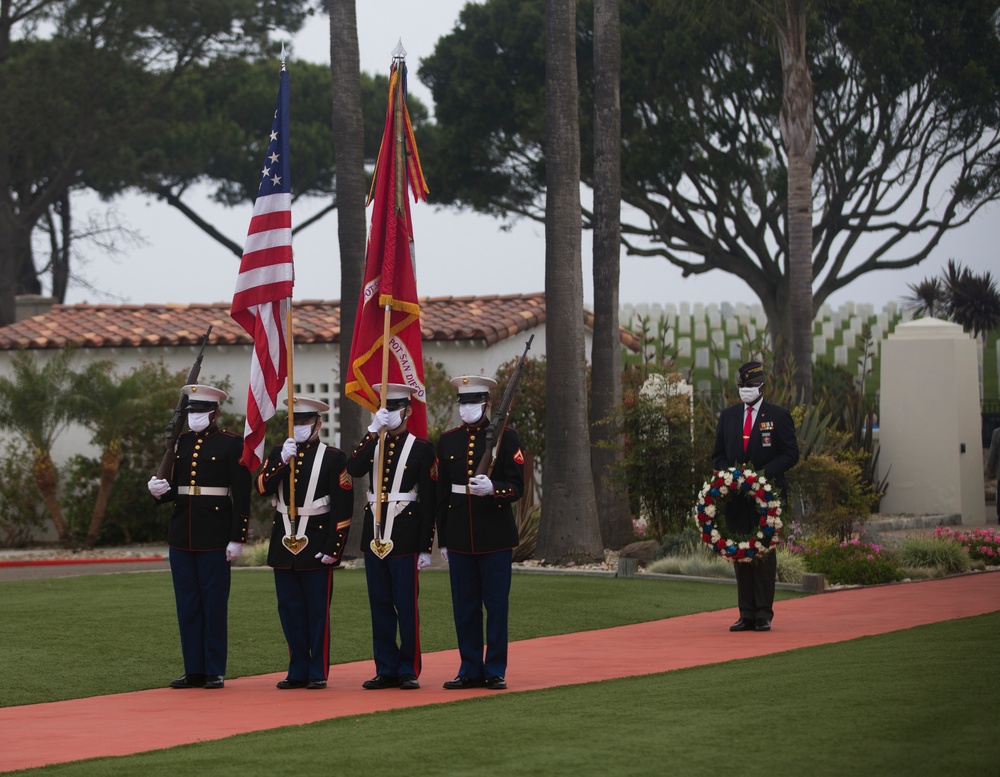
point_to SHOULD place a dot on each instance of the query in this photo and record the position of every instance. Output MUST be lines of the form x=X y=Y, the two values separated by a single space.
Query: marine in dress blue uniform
x=303 y=552
x=477 y=534
x=771 y=449
x=404 y=493
x=210 y=490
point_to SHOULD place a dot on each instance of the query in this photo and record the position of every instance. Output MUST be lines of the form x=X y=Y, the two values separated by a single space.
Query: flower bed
x=981 y=544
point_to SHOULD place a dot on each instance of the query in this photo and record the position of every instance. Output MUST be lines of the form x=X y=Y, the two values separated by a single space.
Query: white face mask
x=302 y=434
x=395 y=419
x=470 y=414
x=198 y=422
x=750 y=394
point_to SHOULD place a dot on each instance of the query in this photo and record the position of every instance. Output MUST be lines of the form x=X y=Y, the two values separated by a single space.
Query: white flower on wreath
x=710 y=511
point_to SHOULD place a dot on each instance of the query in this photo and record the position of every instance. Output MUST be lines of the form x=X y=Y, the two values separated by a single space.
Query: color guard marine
x=210 y=490
x=477 y=532
x=307 y=543
x=397 y=536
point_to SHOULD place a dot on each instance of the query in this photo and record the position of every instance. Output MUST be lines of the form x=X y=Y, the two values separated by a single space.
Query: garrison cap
x=750 y=371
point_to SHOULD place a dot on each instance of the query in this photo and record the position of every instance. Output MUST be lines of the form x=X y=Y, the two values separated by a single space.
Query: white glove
x=480 y=485
x=444 y=554
x=158 y=486
x=423 y=560
x=380 y=421
x=325 y=558
x=233 y=551
x=288 y=450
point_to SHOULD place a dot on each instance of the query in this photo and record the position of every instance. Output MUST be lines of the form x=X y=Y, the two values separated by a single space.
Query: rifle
x=173 y=429
x=494 y=434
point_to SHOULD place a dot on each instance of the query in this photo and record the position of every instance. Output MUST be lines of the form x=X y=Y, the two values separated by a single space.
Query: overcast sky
x=457 y=253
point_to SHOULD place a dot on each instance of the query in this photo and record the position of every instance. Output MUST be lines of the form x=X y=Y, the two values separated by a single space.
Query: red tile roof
x=492 y=319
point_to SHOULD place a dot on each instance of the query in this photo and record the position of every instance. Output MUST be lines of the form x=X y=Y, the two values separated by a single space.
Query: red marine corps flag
x=387 y=343
x=264 y=285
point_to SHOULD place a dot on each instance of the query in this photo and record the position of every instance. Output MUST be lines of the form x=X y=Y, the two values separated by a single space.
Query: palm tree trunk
x=799 y=135
x=44 y=472
x=111 y=460
x=606 y=384
x=569 y=528
x=348 y=144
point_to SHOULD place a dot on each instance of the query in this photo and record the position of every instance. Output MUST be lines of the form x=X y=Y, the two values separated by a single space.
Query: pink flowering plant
x=725 y=486
x=981 y=544
x=854 y=561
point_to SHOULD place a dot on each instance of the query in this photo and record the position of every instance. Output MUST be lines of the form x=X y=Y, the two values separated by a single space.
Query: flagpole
x=399 y=158
x=292 y=509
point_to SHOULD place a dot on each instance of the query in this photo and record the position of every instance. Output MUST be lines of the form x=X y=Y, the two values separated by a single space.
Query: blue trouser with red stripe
x=201 y=590
x=393 y=588
x=481 y=580
x=304 y=611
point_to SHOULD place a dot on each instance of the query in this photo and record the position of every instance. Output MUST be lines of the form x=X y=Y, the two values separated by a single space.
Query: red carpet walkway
x=148 y=720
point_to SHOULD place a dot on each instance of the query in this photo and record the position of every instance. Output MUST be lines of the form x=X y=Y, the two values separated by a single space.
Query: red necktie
x=747 y=428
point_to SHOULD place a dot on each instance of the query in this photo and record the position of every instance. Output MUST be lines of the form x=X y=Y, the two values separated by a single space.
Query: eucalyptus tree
x=83 y=80
x=906 y=115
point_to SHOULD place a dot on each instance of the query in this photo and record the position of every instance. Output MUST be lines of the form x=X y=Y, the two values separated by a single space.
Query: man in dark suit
x=761 y=435
x=303 y=552
x=210 y=490
x=403 y=495
x=477 y=533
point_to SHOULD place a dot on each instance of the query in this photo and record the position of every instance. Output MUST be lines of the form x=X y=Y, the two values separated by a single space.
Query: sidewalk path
x=128 y=723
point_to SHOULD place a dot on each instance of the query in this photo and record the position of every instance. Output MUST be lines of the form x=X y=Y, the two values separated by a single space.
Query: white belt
x=457 y=489
x=307 y=510
x=404 y=496
x=203 y=490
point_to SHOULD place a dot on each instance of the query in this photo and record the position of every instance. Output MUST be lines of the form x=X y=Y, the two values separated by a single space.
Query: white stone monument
x=929 y=436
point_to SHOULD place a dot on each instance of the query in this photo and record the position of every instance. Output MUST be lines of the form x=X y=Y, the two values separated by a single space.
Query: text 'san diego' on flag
x=389 y=273
x=265 y=282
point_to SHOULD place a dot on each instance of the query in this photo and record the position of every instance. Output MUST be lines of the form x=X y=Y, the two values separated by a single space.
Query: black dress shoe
x=408 y=682
x=496 y=684
x=461 y=683
x=380 y=681
x=213 y=681
x=762 y=624
x=743 y=624
x=316 y=685
x=284 y=685
x=189 y=681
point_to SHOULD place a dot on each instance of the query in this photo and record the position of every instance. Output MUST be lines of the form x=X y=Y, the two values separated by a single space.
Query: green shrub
x=921 y=550
x=694 y=565
x=852 y=562
x=254 y=554
x=527 y=519
x=828 y=494
x=22 y=513
x=683 y=543
x=791 y=566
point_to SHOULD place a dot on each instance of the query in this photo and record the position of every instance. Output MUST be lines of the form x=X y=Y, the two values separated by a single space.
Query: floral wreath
x=724 y=486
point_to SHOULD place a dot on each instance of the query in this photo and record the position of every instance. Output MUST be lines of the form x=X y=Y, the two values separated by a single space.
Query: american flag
x=265 y=282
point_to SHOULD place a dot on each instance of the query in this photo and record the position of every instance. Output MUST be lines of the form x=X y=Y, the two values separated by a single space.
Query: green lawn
x=81 y=636
x=916 y=702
